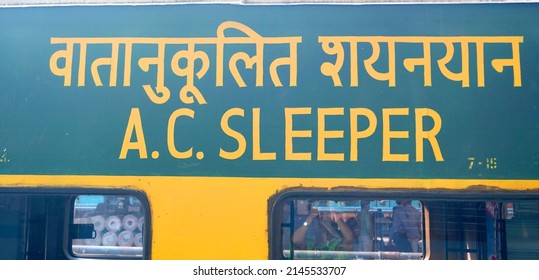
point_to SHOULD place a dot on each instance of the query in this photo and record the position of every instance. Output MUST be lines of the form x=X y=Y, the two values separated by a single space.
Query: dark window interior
x=32 y=227
x=59 y=225
x=499 y=227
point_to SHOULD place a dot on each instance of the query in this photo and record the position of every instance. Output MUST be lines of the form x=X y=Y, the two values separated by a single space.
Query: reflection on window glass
x=353 y=229
x=522 y=227
x=117 y=222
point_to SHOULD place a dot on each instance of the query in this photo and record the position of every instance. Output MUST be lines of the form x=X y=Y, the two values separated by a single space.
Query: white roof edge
x=33 y=3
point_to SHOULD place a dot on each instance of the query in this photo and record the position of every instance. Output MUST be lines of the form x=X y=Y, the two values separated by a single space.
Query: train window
x=440 y=228
x=352 y=229
x=108 y=226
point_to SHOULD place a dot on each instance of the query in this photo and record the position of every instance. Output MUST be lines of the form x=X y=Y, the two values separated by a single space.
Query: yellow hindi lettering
x=189 y=71
x=255 y=61
x=61 y=61
x=112 y=62
x=390 y=75
x=425 y=61
x=67 y=55
x=464 y=75
x=161 y=94
x=500 y=63
x=333 y=46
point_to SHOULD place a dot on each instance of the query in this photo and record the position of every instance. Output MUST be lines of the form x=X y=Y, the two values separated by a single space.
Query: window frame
x=70 y=194
x=473 y=193
x=141 y=196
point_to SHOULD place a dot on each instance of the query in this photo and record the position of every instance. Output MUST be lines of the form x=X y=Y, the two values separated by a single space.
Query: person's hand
x=314 y=213
x=335 y=217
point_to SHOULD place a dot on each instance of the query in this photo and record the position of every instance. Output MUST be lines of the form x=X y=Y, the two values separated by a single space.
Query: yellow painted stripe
x=226 y=217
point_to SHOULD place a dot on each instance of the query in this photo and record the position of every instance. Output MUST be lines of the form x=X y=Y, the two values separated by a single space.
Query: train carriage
x=252 y=131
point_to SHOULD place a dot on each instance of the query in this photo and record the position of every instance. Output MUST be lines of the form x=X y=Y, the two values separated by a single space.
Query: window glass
x=522 y=228
x=108 y=226
x=32 y=226
x=352 y=229
x=437 y=229
x=481 y=230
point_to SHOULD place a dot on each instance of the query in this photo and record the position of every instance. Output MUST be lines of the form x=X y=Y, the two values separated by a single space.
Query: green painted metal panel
x=459 y=83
